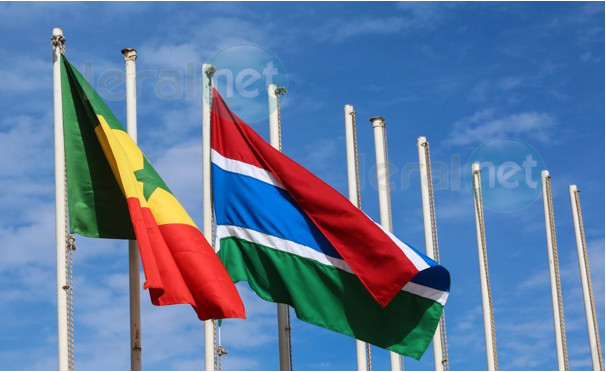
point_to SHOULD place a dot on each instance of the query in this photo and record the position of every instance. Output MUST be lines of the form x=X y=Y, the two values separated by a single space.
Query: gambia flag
x=114 y=192
x=298 y=241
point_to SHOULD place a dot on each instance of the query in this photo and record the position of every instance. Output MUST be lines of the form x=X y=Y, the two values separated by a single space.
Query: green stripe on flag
x=332 y=298
x=97 y=207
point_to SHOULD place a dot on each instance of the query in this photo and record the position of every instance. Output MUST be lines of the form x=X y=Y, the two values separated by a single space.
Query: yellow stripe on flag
x=167 y=209
x=125 y=158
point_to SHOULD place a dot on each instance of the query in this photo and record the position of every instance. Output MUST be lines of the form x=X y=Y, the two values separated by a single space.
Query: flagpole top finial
x=378 y=121
x=57 y=31
x=475 y=167
x=129 y=54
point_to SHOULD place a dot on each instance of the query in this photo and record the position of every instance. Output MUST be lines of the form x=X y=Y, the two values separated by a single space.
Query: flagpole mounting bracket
x=210 y=71
x=281 y=90
x=58 y=40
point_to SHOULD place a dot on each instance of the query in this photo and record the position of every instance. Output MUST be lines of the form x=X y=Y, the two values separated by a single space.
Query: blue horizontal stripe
x=435 y=277
x=244 y=201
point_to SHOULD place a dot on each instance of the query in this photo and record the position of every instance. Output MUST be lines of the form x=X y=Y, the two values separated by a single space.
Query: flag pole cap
x=129 y=53
x=378 y=121
x=475 y=167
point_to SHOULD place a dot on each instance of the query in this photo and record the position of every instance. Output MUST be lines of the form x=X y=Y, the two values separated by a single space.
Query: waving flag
x=114 y=192
x=298 y=241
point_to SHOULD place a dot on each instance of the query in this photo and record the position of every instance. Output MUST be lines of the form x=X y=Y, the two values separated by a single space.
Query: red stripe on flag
x=181 y=268
x=377 y=261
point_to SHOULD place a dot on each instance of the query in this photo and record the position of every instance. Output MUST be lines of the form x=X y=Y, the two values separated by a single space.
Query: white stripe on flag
x=224 y=231
x=416 y=260
x=240 y=167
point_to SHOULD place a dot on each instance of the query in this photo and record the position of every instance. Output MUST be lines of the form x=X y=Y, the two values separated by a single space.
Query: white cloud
x=24 y=75
x=539 y=279
x=411 y=16
x=181 y=168
x=484 y=125
x=258 y=329
x=500 y=90
x=13 y=14
x=203 y=40
x=24 y=145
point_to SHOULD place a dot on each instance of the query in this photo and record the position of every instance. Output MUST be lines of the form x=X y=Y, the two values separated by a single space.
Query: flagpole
x=487 y=310
x=58 y=43
x=130 y=58
x=207 y=212
x=590 y=313
x=378 y=125
x=353 y=179
x=554 y=274
x=275 y=139
x=440 y=353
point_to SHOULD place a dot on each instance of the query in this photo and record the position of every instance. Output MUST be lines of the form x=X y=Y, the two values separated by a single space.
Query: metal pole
x=554 y=273
x=428 y=221
x=283 y=310
x=354 y=197
x=207 y=212
x=58 y=42
x=378 y=125
x=491 y=356
x=590 y=314
x=130 y=57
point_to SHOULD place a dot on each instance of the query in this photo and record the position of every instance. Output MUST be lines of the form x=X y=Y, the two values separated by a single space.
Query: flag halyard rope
x=359 y=205
x=289 y=329
x=436 y=250
x=480 y=213
x=278 y=92
x=387 y=178
x=217 y=357
x=356 y=164
x=70 y=247
x=556 y=264
x=220 y=350
x=577 y=200
x=388 y=192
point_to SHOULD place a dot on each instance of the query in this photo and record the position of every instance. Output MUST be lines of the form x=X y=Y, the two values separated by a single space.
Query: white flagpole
x=554 y=274
x=590 y=314
x=353 y=180
x=378 y=125
x=130 y=58
x=275 y=139
x=61 y=234
x=440 y=358
x=207 y=212
x=489 y=331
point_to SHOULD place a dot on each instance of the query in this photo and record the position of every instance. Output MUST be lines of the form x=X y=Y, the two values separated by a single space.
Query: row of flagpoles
x=441 y=362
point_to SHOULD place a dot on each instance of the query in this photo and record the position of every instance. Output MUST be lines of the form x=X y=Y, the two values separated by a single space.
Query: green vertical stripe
x=331 y=298
x=97 y=207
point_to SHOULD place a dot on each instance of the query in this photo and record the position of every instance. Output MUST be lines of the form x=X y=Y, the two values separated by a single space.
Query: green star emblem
x=150 y=179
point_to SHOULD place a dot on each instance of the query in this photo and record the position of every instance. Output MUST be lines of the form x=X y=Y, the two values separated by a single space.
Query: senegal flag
x=114 y=192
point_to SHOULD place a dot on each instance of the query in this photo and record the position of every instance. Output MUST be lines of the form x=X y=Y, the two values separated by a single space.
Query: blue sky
x=460 y=74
